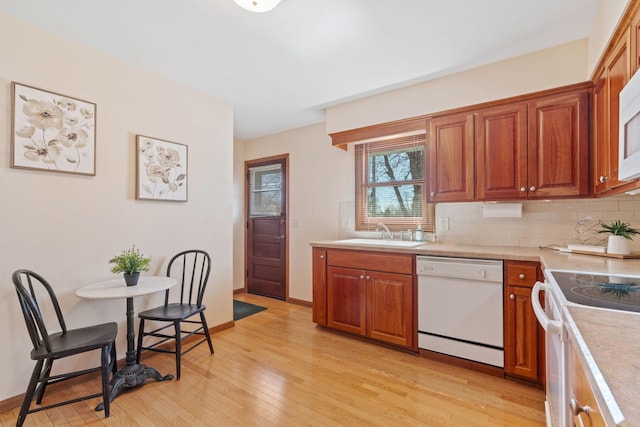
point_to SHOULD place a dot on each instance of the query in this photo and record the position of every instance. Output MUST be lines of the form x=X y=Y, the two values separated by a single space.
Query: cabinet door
x=617 y=75
x=389 y=308
x=346 y=299
x=634 y=45
x=524 y=337
x=501 y=152
x=558 y=144
x=521 y=343
x=319 y=262
x=600 y=135
x=451 y=158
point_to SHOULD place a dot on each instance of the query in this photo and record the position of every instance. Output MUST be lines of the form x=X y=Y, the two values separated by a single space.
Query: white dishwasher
x=460 y=308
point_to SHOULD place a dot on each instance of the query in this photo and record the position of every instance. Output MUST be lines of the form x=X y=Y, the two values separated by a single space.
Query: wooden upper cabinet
x=634 y=40
x=534 y=149
x=558 y=146
x=617 y=72
x=608 y=83
x=600 y=148
x=501 y=152
x=451 y=158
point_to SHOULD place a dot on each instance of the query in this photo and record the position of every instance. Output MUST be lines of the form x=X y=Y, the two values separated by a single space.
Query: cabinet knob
x=576 y=408
x=512 y=296
x=368 y=277
x=522 y=276
x=433 y=193
x=604 y=179
x=362 y=276
x=321 y=256
x=523 y=189
x=532 y=188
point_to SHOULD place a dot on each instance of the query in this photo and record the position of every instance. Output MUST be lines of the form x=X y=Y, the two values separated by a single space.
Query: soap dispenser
x=419 y=234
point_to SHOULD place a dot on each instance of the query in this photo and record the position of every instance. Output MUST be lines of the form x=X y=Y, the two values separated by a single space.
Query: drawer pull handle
x=522 y=276
x=576 y=408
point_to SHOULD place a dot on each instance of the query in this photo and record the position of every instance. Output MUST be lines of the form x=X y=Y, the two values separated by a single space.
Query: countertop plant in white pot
x=130 y=262
x=620 y=233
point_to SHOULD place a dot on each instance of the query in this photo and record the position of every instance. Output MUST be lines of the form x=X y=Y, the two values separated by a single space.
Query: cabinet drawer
x=387 y=262
x=521 y=274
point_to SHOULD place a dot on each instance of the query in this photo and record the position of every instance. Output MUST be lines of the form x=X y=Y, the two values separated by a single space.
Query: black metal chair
x=49 y=347
x=191 y=268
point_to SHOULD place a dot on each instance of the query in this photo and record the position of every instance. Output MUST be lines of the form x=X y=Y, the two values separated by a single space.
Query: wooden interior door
x=266 y=238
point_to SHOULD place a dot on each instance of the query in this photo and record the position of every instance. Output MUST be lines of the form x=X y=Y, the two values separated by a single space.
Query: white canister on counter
x=419 y=234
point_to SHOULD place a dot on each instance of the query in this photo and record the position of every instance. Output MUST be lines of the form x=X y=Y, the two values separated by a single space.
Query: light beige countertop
x=549 y=258
x=608 y=346
x=608 y=340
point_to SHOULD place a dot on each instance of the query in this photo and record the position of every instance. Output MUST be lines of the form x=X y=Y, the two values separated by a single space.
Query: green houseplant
x=130 y=262
x=619 y=235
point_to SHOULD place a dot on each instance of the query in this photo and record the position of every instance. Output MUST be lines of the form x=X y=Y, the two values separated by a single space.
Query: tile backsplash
x=542 y=223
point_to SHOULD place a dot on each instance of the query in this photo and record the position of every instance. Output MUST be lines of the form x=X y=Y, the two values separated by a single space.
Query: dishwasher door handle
x=550 y=326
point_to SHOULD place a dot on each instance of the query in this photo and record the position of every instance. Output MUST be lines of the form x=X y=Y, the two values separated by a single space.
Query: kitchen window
x=391 y=184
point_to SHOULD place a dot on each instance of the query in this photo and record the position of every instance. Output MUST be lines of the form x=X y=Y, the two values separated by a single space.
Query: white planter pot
x=618 y=245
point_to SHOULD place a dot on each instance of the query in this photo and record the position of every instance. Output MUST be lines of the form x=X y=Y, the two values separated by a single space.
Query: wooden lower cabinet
x=583 y=407
x=354 y=296
x=390 y=307
x=524 y=338
x=346 y=300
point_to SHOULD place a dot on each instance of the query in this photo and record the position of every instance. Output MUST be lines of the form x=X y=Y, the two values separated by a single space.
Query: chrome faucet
x=384 y=229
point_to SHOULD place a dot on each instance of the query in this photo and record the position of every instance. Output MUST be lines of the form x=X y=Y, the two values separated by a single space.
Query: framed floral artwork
x=161 y=170
x=52 y=132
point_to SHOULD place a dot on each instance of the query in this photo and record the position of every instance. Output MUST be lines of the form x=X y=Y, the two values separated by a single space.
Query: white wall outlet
x=444 y=223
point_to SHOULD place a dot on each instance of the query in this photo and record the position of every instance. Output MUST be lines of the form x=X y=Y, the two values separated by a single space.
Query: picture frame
x=161 y=169
x=52 y=132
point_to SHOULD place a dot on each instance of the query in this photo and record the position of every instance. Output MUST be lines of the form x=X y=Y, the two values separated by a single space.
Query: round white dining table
x=133 y=373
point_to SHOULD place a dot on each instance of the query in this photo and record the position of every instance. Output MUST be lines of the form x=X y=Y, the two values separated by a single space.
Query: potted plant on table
x=130 y=262
x=619 y=235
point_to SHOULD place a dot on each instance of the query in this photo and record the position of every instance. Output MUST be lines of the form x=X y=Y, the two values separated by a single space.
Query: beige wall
x=553 y=67
x=607 y=19
x=67 y=227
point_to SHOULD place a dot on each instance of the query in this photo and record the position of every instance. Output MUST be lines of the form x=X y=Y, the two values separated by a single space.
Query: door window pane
x=265 y=190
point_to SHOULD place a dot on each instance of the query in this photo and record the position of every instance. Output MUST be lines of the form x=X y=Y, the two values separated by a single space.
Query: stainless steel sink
x=381 y=242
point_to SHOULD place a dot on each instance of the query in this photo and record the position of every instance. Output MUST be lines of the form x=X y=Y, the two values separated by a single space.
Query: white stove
x=563 y=288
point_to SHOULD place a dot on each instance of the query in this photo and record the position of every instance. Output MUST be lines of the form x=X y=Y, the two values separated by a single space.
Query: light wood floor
x=276 y=368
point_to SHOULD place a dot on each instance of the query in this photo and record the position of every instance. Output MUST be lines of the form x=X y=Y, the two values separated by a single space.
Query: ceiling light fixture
x=258 y=6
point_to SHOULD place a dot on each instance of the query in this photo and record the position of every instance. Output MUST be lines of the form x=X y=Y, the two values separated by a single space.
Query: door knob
x=280 y=237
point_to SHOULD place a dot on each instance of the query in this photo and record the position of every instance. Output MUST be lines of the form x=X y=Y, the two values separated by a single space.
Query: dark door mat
x=243 y=309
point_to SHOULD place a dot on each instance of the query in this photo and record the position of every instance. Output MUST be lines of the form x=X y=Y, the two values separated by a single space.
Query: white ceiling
x=280 y=69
